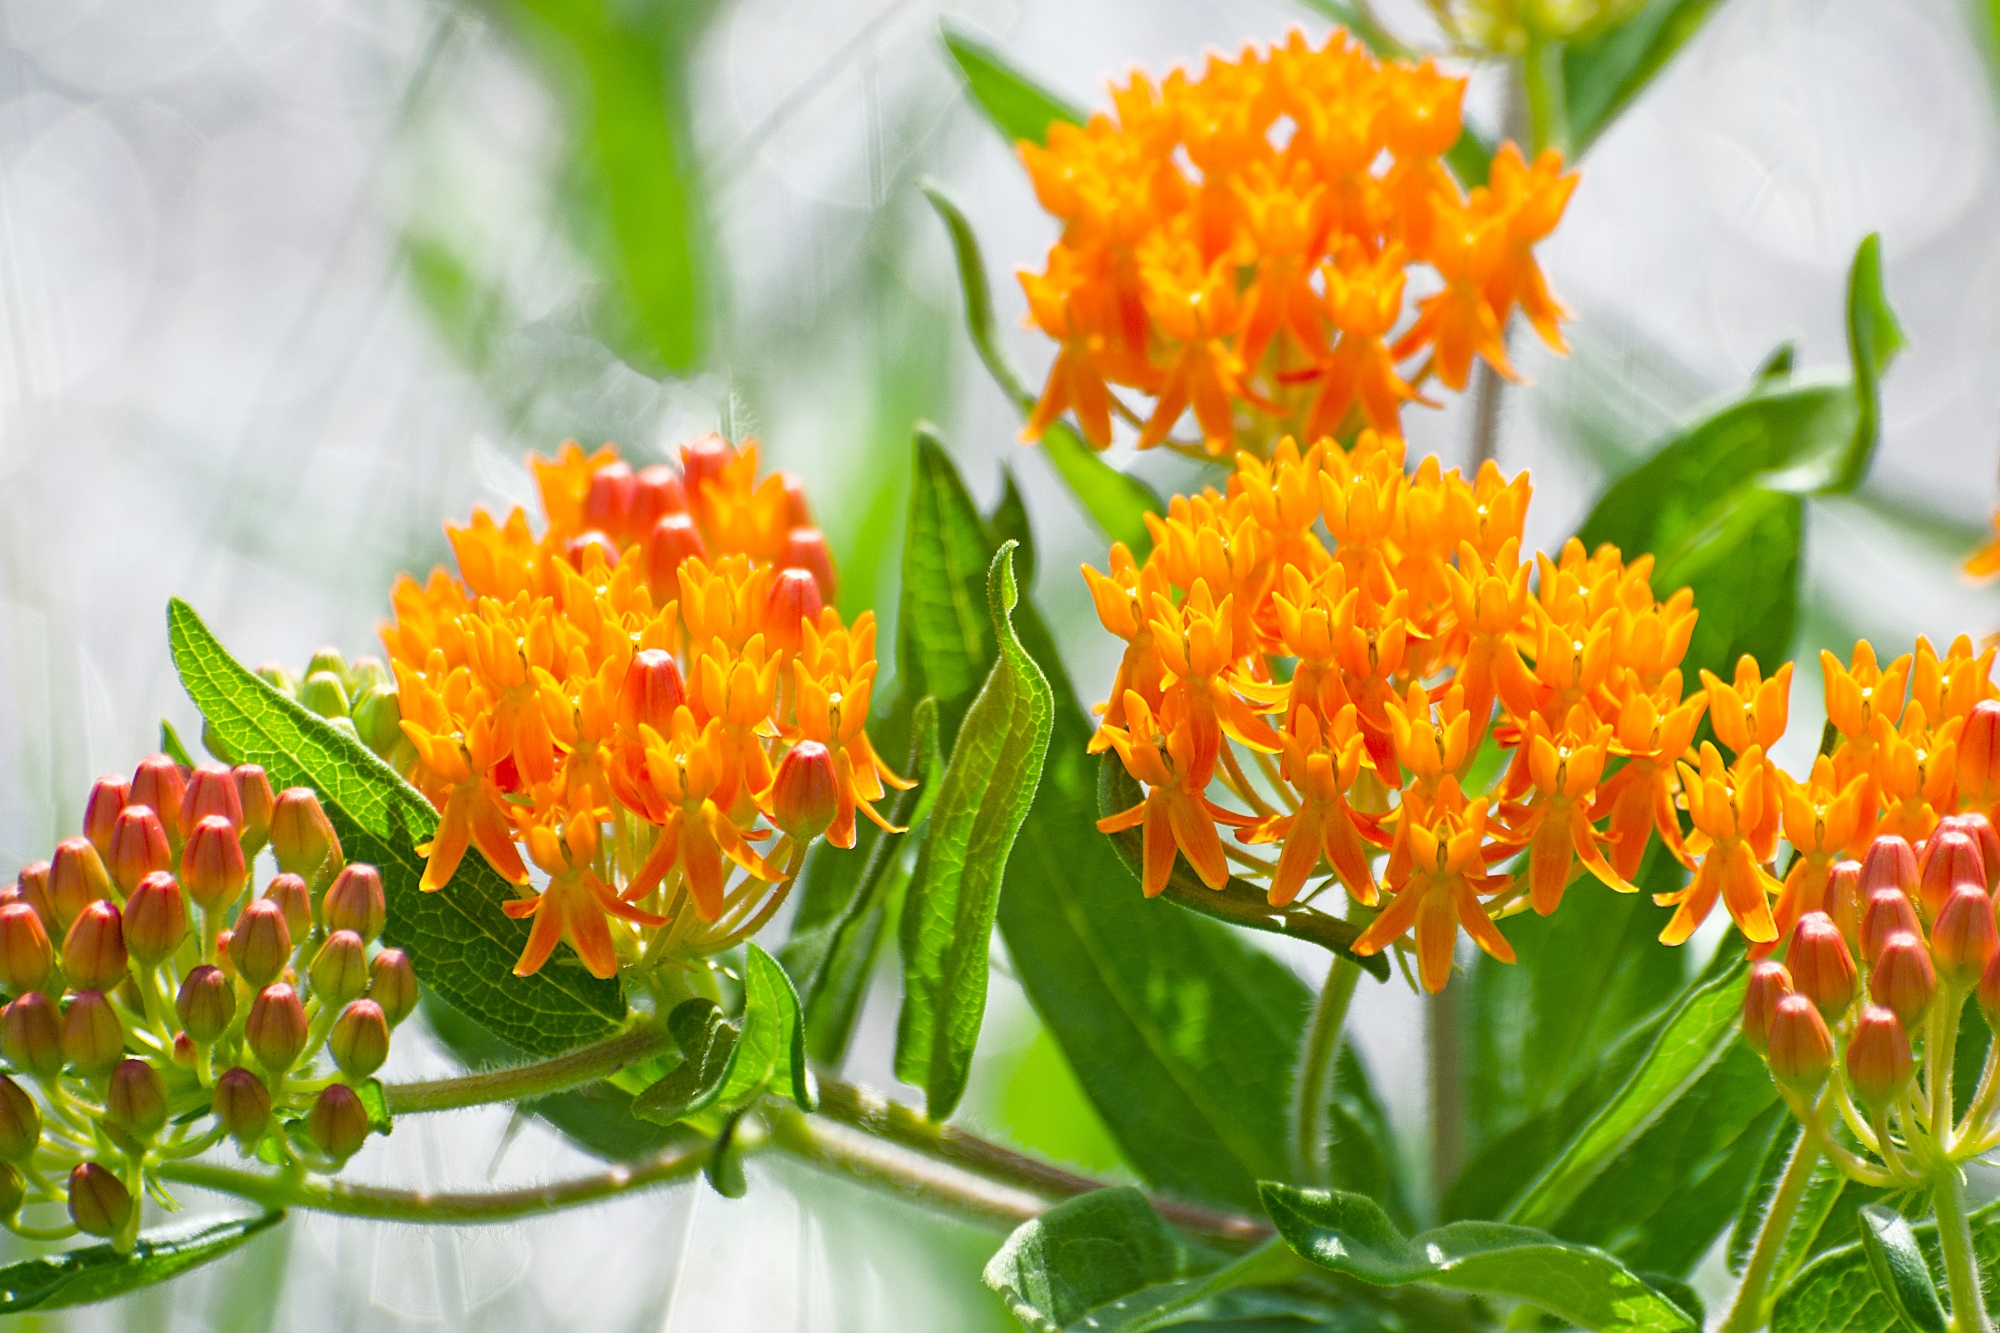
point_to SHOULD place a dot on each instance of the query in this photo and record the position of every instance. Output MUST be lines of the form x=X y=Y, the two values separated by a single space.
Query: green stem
x=1444 y=1037
x=1548 y=100
x=1748 y=1311
x=1961 y=1265
x=526 y=1082
x=1312 y=1087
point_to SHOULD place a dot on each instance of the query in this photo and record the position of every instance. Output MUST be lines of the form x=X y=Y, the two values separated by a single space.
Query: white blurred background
x=283 y=283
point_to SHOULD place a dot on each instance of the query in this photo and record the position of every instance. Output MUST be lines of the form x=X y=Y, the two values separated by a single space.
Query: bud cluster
x=1859 y=1022
x=156 y=1003
x=357 y=697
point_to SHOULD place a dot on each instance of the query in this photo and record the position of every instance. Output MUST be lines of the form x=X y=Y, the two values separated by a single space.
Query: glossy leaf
x=1840 y=1289
x=458 y=940
x=1351 y=1235
x=1604 y=72
x=100 y=1272
x=171 y=746
x=1009 y=523
x=945 y=640
x=1891 y=1247
x=1015 y=104
x=996 y=764
x=708 y=1043
x=1362 y=1154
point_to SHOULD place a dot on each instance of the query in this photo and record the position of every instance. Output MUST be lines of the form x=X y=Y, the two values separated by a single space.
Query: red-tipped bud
x=1950 y=859
x=1890 y=864
x=1963 y=938
x=20 y=1122
x=1769 y=983
x=276 y=1028
x=139 y=846
x=392 y=983
x=338 y=1122
x=260 y=943
x=1978 y=828
x=100 y=813
x=1844 y=899
x=25 y=952
x=99 y=1203
x=213 y=870
x=301 y=834
x=1801 y=1049
x=32 y=888
x=355 y=902
x=1979 y=754
x=573 y=552
x=806 y=548
x=360 y=1039
x=93 y=952
x=804 y=793
x=793 y=598
x=1888 y=912
x=1822 y=969
x=340 y=970
x=31 y=1035
x=184 y=1053
x=155 y=918
x=93 y=1040
x=673 y=539
x=651 y=691
x=703 y=460
x=294 y=899
x=211 y=790
x=657 y=494
x=136 y=1101
x=242 y=1105
x=1878 y=1057
x=160 y=785
x=607 y=504
x=77 y=878
x=253 y=793
x=206 y=1003
x=1903 y=979
x=798 y=500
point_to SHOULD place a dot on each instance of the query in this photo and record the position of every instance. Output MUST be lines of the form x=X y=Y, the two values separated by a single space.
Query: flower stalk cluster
x=158 y=1004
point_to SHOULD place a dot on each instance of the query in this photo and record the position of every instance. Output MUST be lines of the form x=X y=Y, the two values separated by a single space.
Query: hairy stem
x=1961 y=1265
x=1312 y=1087
x=587 y=1064
x=1445 y=1037
x=1751 y=1297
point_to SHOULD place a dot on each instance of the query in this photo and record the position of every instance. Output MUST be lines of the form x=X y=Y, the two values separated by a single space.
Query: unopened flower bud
x=139 y=846
x=651 y=691
x=657 y=494
x=340 y=970
x=1889 y=864
x=1844 y=899
x=1978 y=828
x=77 y=878
x=806 y=548
x=326 y=694
x=1878 y=1057
x=242 y=1105
x=160 y=786
x=1801 y=1049
x=355 y=902
x=393 y=985
x=156 y=918
x=213 y=870
x=793 y=599
x=211 y=791
x=99 y=1203
x=276 y=1027
x=20 y=1122
x=25 y=952
x=206 y=1004
x=674 y=539
x=32 y=886
x=378 y=718
x=93 y=952
x=360 y=1039
x=294 y=899
x=1769 y=982
x=93 y=1040
x=211 y=741
x=100 y=813
x=703 y=459
x=1979 y=755
x=31 y=1035
x=1888 y=912
x=1903 y=979
x=1950 y=859
x=260 y=943
x=368 y=672
x=330 y=660
x=1963 y=937
x=804 y=794
x=607 y=503
x=338 y=1122
x=798 y=500
x=253 y=793
x=574 y=550
x=279 y=678
x=1822 y=969
x=301 y=834
x=136 y=1100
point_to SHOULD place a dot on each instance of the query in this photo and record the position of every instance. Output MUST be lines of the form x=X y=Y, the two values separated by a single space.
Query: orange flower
x=1441 y=890
x=1324 y=825
x=576 y=903
x=1728 y=806
x=1555 y=824
x=1822 y=822
x=1174 y=814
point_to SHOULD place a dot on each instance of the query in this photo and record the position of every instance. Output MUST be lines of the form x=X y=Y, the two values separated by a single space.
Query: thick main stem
x=526 y=1082
x=1444 y=1034
x=1312 y=1087
x=1751 y=1297
x=1961 y=1265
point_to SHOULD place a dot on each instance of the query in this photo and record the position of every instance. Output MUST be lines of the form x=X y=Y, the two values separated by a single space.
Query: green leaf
x=1604 y=72
x=1744 y=572
x=947 y=928
x=99 y=1272
x=723 y=1168
x=171 y=746
x=460 y=942
x=1891 y=1247
x=1015 y=104
x=772 y=1047
x=1009 y=523
x=1840 y=1289
x=1116 y=502
x=945 y=640
x=376 y=1103
x=1701 y=1031
x=708 y=1043
x=1351 y=1235
x=1362 y=1156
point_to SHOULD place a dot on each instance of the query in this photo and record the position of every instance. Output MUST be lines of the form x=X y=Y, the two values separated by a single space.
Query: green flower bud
x=393 y=985
x=355 y=902
x=360 y=1039
x=260 y=943
x=136 y=1101
x=243 y=1105
x=99 y=1203
x=278 y=678
x=13 y=1191
x=378 y=719
x=20 y=1122
x=301 y=834
x=93 y=1040
x=338 y=1122
x=324 y=693
x=276 y=1028
x=328 y=661
x=31 y=1035
x=340 y=971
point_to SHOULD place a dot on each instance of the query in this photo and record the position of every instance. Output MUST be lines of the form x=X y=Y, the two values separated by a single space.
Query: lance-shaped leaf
x=708 y=1044
x=460 y=942
x=1842 y=1289
x=100 y=1272
x=772 y=1047
x=1351 y=1235
x=995 y=766
x=1014 y=103
x=1891 y=1247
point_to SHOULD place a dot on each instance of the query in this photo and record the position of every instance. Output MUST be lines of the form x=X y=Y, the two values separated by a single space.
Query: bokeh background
x=285 y=282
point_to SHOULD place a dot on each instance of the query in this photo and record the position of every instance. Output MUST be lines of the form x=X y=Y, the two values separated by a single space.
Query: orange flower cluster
x=637 y=697
x=1241 y=243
